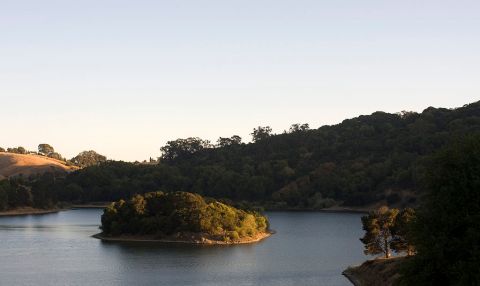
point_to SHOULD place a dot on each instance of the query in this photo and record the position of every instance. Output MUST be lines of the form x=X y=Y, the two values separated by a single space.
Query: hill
x=12 y=164
x=360 y=163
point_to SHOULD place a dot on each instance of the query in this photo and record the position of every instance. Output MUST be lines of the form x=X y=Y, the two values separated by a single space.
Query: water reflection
x=56 y=249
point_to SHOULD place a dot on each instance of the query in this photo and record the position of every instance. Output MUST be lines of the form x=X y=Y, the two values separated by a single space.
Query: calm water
x=56 y=249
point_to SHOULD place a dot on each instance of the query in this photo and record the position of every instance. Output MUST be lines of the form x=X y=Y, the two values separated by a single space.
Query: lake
x=56 y=249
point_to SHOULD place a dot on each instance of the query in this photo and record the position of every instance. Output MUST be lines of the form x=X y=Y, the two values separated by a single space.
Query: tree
x=299 y=127
x=45 y=149
x=234 y=140
x=56 y=156
x=446 y=232
x=181 y=148
x=159 y=213
x=378 y=231
x=18 y=150
x=261 y=133
x=401 y=231
x=2 y=149
x=88 y=158
x=3 y=197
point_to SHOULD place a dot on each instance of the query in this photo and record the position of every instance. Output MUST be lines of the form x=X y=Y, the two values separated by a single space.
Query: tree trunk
x=410 y=250
x=387 y=247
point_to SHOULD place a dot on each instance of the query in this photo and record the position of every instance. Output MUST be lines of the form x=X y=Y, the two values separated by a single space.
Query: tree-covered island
x=181 y=217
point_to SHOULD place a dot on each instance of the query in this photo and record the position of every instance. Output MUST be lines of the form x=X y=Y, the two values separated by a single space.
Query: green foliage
x=380 y=158
x=261 y=133
x=160 y=214
x=446 y=232
x=2 y=149
x=17 y=150
x=299 y=127
x=402 y=232
x=183 y=148
x=45 y=149
x=378 y=231
x=234 y=140
x=3 y=195
x=88 y=158
x=13 y=193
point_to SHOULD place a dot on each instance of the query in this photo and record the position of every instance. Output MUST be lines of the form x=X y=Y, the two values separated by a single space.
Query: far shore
x=90 y=206
x=23 y=211
x=35 y=211
x=30 y=211
x=325 y=210
x=192 y=239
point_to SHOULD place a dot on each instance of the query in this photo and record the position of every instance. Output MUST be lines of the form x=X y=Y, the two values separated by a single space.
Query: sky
x=124 y=77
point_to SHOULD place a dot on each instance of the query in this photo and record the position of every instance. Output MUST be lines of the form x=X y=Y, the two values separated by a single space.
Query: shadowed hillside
x=362 y=162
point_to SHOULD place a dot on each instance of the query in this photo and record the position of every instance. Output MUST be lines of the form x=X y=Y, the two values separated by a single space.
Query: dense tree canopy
x=377 y=159
x=88 y=158
x=162 y=214
x=261 y=133
x=17 y=150
x=183 y=148
x=402 y=232
x=297 y=127
x=224 y=142
x=19 y=192
x=378 y=231
x=45 y=149
x=446 y=232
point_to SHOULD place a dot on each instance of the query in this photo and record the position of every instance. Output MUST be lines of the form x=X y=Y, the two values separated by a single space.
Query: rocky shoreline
x=376 y=272
x=190 y=238
x=30 y=211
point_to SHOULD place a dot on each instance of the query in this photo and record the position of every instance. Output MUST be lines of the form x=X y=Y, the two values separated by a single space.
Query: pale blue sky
x=123 y=77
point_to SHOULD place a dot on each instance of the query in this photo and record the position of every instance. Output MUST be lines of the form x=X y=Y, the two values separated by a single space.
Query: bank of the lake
x=376 y=272
x=185 y=238
x=22 y=211
x=36 y=211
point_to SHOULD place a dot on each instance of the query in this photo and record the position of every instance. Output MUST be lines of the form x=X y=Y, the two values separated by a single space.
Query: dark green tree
x=182 y=148
x=56 y=156
x=3 y=196
x=299 y=127
x=447 y=229
x=401 y=231
x=18 y=150
x=234 y=140
x=88 y=158
x=45 y=149
x=261 y=133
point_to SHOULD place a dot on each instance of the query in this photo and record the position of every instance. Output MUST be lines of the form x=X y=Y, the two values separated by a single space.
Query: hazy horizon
x=124 y=77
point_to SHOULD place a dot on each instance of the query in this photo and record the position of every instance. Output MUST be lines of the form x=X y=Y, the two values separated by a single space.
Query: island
x=181 y=217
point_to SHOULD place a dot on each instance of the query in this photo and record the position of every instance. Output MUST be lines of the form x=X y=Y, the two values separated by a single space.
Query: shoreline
x=192 y=241
x=349 y=275
x=327 y=210
x=90 y=206
x=34 y=211
x=30 y=211
x=375 y=272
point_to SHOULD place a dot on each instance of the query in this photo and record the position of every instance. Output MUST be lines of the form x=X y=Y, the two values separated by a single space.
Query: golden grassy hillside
x=15 y=164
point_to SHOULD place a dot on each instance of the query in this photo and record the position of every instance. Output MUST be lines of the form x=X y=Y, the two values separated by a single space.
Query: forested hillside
x=378 y=158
